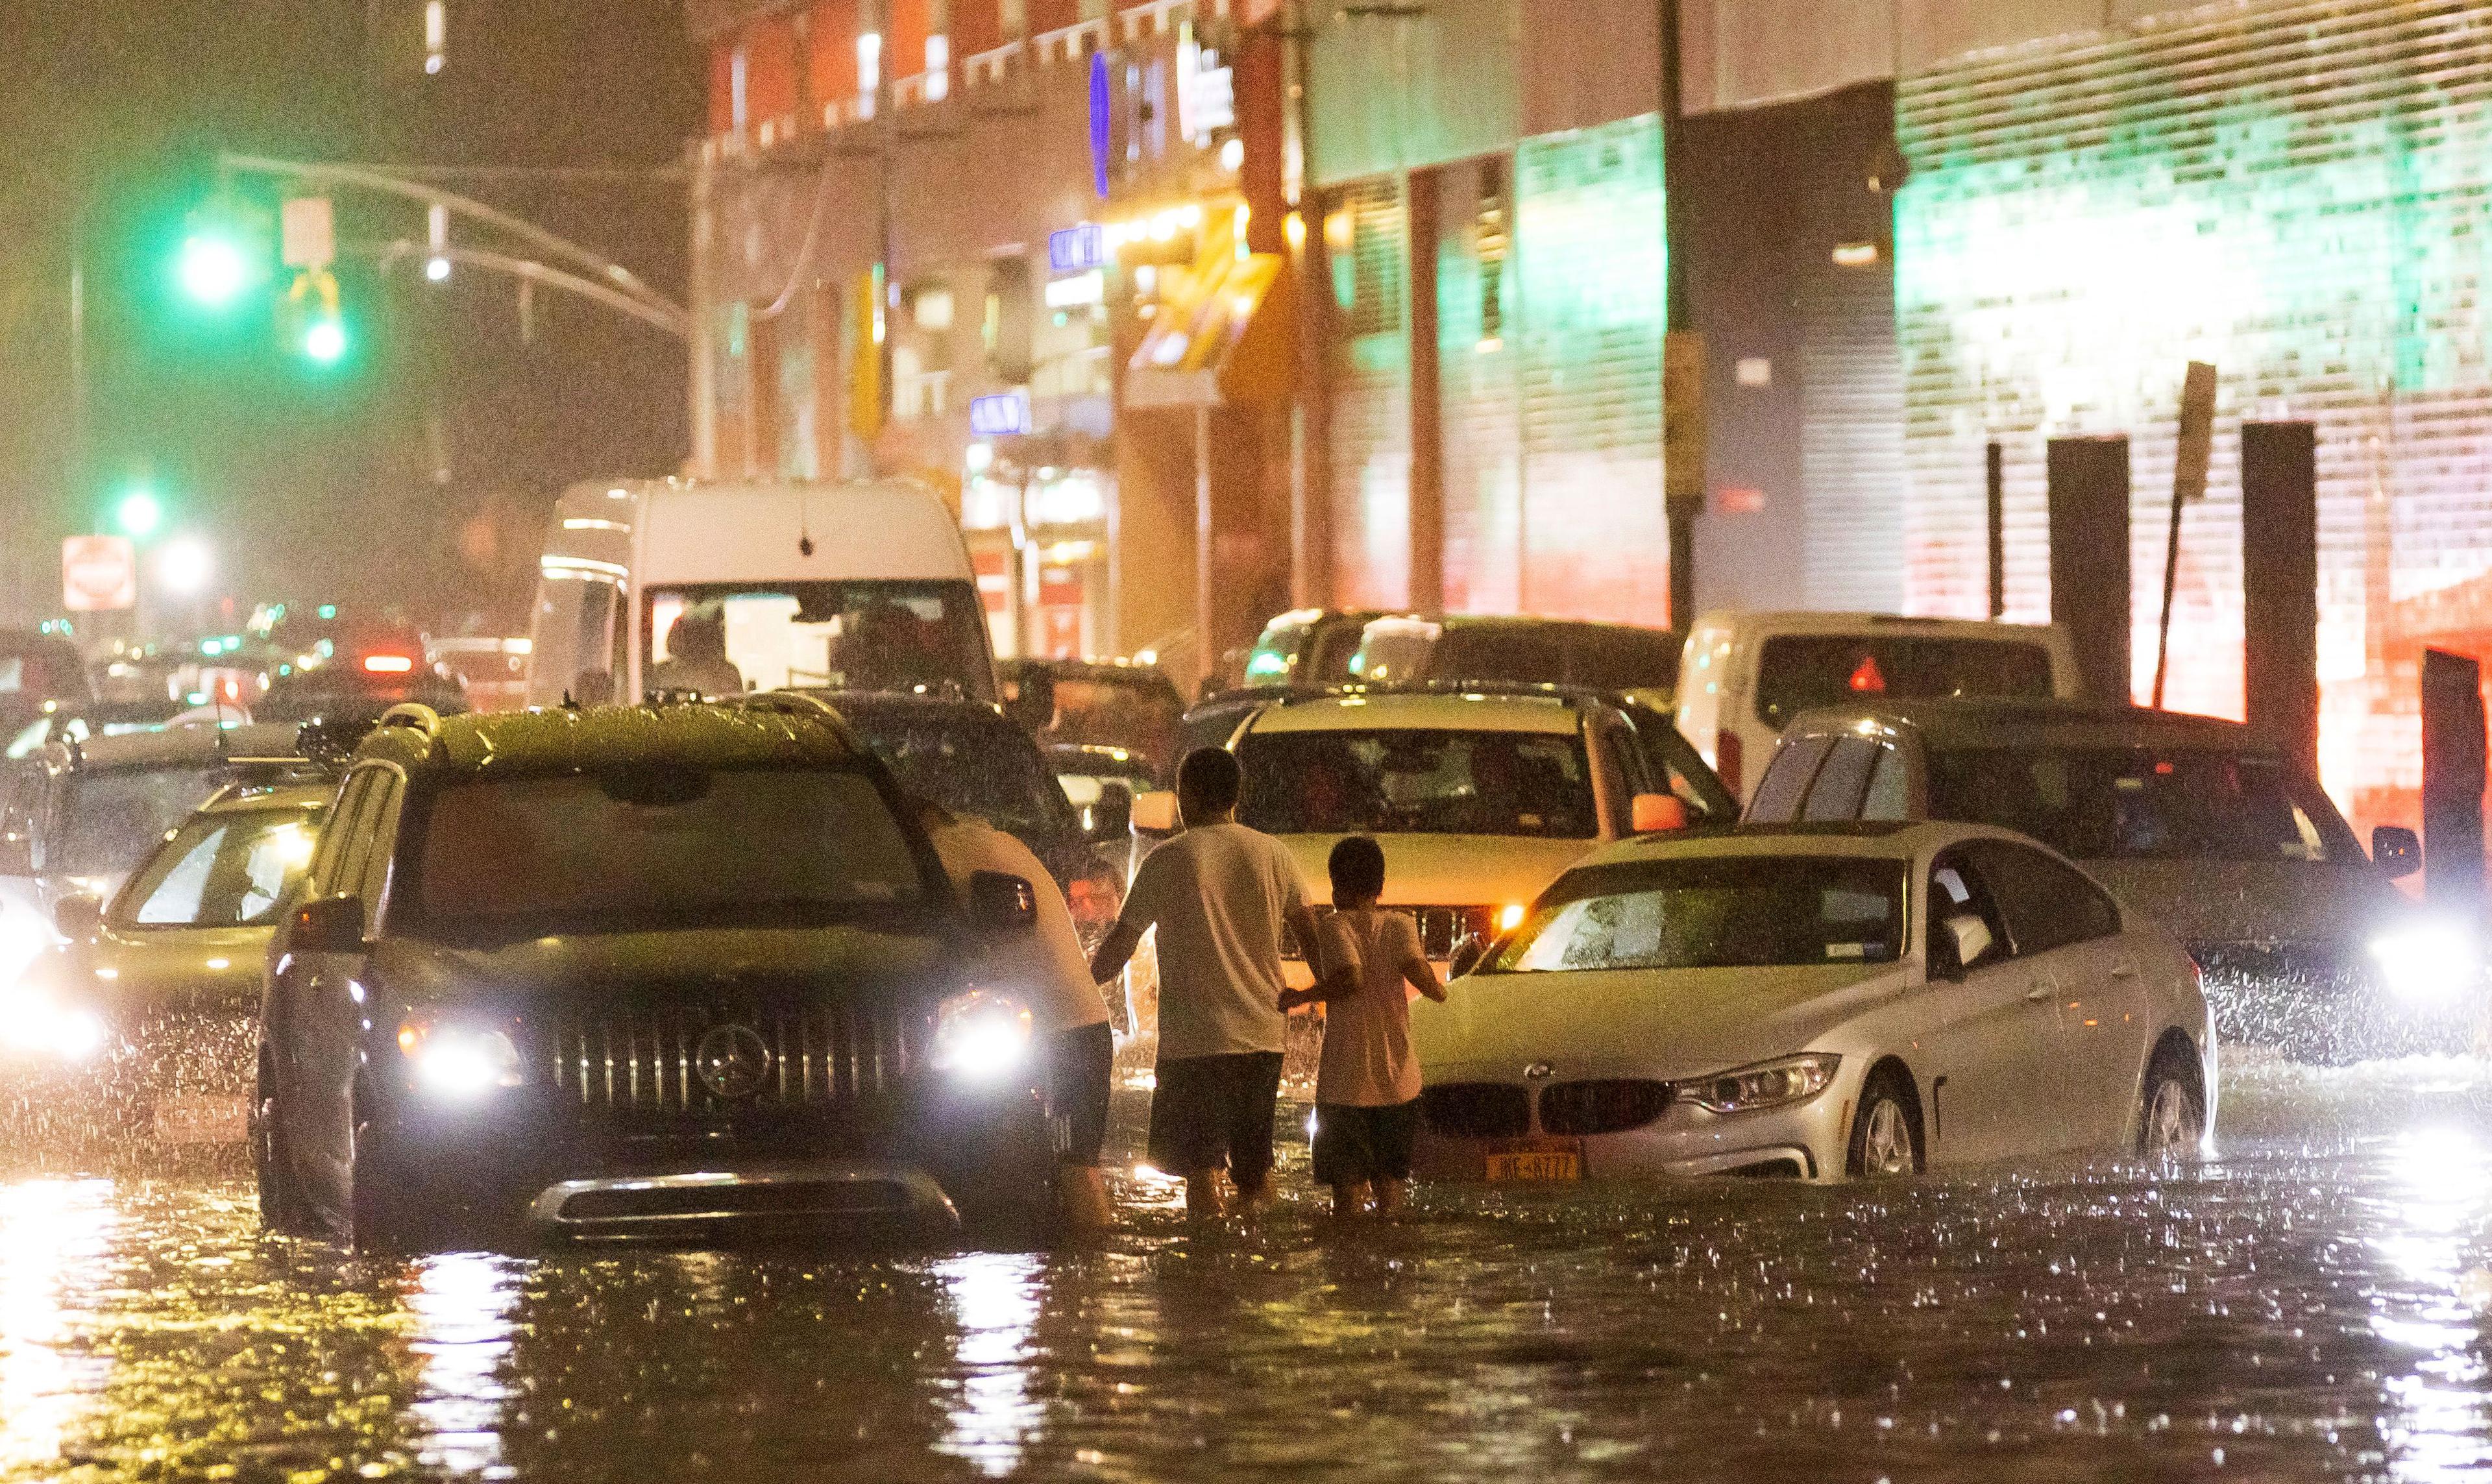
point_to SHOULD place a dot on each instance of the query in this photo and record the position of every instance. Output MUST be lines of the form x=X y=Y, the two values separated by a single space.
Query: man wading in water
x=1219 y=894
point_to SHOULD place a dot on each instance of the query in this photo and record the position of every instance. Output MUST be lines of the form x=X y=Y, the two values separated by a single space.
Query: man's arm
x=1342 y=983
x=1115 y=951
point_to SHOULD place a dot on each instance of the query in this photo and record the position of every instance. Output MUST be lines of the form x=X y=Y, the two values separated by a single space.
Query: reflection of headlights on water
x=2428 y=963
x=1767 y=1084
x=458 y=1062
x=981 y=1035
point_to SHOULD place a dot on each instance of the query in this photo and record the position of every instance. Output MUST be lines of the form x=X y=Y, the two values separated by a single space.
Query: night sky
x=323 y=485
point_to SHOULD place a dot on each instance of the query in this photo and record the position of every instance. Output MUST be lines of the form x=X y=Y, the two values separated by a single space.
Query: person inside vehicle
x=697 y=658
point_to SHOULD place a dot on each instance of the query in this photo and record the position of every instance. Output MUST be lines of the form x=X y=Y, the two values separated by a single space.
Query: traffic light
x=138 y=513
x=318 y=325
x=213 y=269
x=324 y=340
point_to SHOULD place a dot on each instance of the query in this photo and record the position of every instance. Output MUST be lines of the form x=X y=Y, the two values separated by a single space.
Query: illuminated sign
x=1077 y=248
x=999 y=414
x=1085 y=288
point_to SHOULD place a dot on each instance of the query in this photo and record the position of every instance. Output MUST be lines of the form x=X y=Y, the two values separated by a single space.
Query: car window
x=1841 y=780
x=1427 y=781
x=985 y=769
x=1786 y=782
x=1889 y=795
x=723 y=637
x=113 y=819
x=330 y=865
x=2045 y=904
x=380 y=836
x=1798 y=671
x=1671 y=765
x=2114 y=803
x=1734 y=911
x=1956 y=889
x=222 y=869
x=1623 y=660
x=1500 y=652
x=1614 y=756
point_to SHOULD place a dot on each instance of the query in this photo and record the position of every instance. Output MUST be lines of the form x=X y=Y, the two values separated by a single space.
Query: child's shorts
x=1355 y=1144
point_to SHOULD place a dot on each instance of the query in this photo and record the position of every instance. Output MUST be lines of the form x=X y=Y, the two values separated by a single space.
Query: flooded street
x=2312 y=1305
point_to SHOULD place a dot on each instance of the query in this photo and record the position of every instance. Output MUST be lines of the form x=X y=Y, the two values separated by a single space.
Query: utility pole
x=1682 y=359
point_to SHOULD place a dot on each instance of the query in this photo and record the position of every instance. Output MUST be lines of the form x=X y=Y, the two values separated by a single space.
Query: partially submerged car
x=1814 y=1002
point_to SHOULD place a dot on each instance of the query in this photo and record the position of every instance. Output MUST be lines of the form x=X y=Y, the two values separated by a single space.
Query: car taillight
x=1095 y=899
x=1726 y=759
x=389 y=664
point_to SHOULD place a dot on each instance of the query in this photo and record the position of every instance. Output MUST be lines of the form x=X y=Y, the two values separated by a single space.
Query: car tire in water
x=1886 y=1132
x=280 y=1208
x=2171 y=1113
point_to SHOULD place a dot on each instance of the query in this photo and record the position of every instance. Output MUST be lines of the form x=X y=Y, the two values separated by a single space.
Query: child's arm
x=1329 y=950
x=1340 y=984
x=1422 y=977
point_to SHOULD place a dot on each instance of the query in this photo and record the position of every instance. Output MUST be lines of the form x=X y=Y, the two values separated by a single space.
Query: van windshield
x=1798 y=671
x=2138 y=803
x=723 y=637
x=654 y=848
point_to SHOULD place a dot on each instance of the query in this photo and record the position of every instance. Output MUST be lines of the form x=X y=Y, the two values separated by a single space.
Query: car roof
x=1124 y=671
x=2026 y=722
x=1869 y=839
x=758 y=732
x=1443 y=710
x=1815 y=621
x=175 y=746
x=854 y=704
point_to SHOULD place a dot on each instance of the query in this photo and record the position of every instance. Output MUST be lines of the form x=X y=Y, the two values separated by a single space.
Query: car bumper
x=1805 y=1141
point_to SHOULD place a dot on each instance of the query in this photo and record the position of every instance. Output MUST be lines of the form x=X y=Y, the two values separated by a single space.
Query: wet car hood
x=158 y=969
x=2254 y=901
x=587 y=965
x=1665 y=1023
x=1448 y=870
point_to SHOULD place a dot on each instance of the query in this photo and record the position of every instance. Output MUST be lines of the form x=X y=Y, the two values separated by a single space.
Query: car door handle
x=2125 y=968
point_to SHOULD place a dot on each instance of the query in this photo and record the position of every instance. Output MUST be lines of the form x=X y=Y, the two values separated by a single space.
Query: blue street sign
x=999 y=414
x=1077 y=248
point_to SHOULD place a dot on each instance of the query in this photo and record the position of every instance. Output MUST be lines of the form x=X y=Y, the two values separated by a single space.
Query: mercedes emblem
x=732 y=1061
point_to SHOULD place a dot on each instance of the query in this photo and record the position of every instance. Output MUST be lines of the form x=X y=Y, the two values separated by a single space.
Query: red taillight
x=1726 y=759
x=1867 y=678
x=389 y=664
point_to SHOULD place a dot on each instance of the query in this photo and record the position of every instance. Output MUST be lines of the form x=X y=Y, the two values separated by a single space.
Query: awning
x=1221 y=336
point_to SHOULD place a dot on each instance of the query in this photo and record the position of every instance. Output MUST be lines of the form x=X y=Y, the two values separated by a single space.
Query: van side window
x=321 y=880
x=2046 y=904
x=387 y=795
x=1785 y=781
x=1841 y=780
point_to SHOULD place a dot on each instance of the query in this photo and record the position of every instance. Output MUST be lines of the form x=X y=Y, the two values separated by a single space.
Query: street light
x=138 y=513
x=185 y=565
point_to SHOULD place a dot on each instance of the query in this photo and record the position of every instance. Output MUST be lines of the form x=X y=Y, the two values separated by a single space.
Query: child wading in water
x=1367 y=1087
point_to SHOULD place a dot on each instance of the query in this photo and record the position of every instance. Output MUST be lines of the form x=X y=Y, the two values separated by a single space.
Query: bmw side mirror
x=1002 y=904
x=1467 y=956
x=329 y=925
x=1970 y=938
x=79 y=917
x=2396 y=850
x=1112 y=814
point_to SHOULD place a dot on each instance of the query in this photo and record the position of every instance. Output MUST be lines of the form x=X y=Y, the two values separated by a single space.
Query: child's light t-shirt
x=1367 y=1059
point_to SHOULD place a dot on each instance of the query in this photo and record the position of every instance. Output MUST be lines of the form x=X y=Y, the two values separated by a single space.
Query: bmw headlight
x=2428 y=961
x=458 y=1062
x=981 y=1035
x=1767 y=1084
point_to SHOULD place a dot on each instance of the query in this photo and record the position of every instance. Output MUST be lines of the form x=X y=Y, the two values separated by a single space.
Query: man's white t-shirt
x=1219 y=895
x=1367 y=1059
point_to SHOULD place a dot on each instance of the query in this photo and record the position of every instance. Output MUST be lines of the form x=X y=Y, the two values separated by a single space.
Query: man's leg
x=1203 y=1195
x=1078 y=1077
x=1388 y=1195
x=1350 y=1200
x=1254 y=1100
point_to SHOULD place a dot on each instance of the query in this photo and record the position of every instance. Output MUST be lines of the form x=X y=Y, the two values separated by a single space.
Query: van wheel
x=2172 y=1118
x=1887 y=1132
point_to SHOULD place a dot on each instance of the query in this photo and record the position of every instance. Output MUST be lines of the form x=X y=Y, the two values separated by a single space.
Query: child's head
x=1357 y=867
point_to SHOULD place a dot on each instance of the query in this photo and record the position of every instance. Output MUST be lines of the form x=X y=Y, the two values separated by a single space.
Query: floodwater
x=2310 y=1305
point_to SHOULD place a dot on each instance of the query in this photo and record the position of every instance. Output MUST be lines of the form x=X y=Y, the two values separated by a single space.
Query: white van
x=1744 y=675
x=661 y=584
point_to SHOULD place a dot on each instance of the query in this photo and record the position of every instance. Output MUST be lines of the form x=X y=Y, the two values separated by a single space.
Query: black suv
x=673 y=972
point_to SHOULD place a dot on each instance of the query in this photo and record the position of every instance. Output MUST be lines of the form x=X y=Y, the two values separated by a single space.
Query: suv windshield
x=114 y=818
x=986 y=769
x=1733 y=913
x=2135 y=803
x=222 y=869
x=655 y=848
x=1417 y=781
x=1799 y=671
x=721 y=639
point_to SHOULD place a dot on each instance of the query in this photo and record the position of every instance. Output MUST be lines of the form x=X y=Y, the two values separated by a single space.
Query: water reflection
x=461 y=1305
x=52 y=1235
x=2443 y=1184
x=993 y=1297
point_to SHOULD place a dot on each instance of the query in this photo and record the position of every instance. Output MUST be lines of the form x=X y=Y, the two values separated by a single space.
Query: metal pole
x=700 y=377
x=1683 y=489
x=1203 y=639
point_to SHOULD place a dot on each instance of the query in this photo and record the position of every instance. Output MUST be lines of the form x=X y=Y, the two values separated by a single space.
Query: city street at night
x=2307 y=1306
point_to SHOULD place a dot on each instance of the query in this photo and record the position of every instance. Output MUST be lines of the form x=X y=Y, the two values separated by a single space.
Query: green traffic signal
x=213 y=269
x=325 y=340
x=138 y=513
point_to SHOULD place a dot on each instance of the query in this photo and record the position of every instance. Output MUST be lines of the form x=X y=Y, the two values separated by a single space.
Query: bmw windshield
x=1745 y=911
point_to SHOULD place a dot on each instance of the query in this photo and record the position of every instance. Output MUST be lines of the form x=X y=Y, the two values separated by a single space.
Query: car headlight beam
x=981 y=1036
x=458 y=1063
x=2431 y=962
x=1776 y=1084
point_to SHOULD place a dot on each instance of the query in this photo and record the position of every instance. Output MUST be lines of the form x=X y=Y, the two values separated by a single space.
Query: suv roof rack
x=412 y=714
x=1545 y=689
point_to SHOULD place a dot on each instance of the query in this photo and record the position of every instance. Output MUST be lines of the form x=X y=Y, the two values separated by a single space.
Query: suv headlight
x=456 y=1061
x=1767 y=1084
x=981 y=1035
x=2428 y=961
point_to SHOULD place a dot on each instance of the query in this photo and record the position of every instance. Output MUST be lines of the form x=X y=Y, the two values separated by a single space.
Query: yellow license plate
x=203 y=1119
x=1536 y=1165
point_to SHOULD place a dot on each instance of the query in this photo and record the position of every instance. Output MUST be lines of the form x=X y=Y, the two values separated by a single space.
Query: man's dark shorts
x=1078 y=1071
x=1214 y=1111
x=1354 y=1145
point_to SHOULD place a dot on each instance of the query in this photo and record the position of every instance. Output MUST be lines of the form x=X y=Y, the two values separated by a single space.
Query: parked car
x=77 y=817
x=1479 y=798
x=357 y=669
x=1814 y=1002
x=1307 y=648
x=964 y=756
x=493 y=672
x=1745 y=675
x=139 y=1029
x=1093 y=776
x=37 y=672
x=82 y=720
x=671 y=972
x=1093 y=703
x=2193 y=821
x=1622 y=659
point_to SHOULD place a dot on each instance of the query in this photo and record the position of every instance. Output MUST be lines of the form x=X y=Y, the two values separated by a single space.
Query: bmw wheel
x=1886 y=1134
x=2172 y=1120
